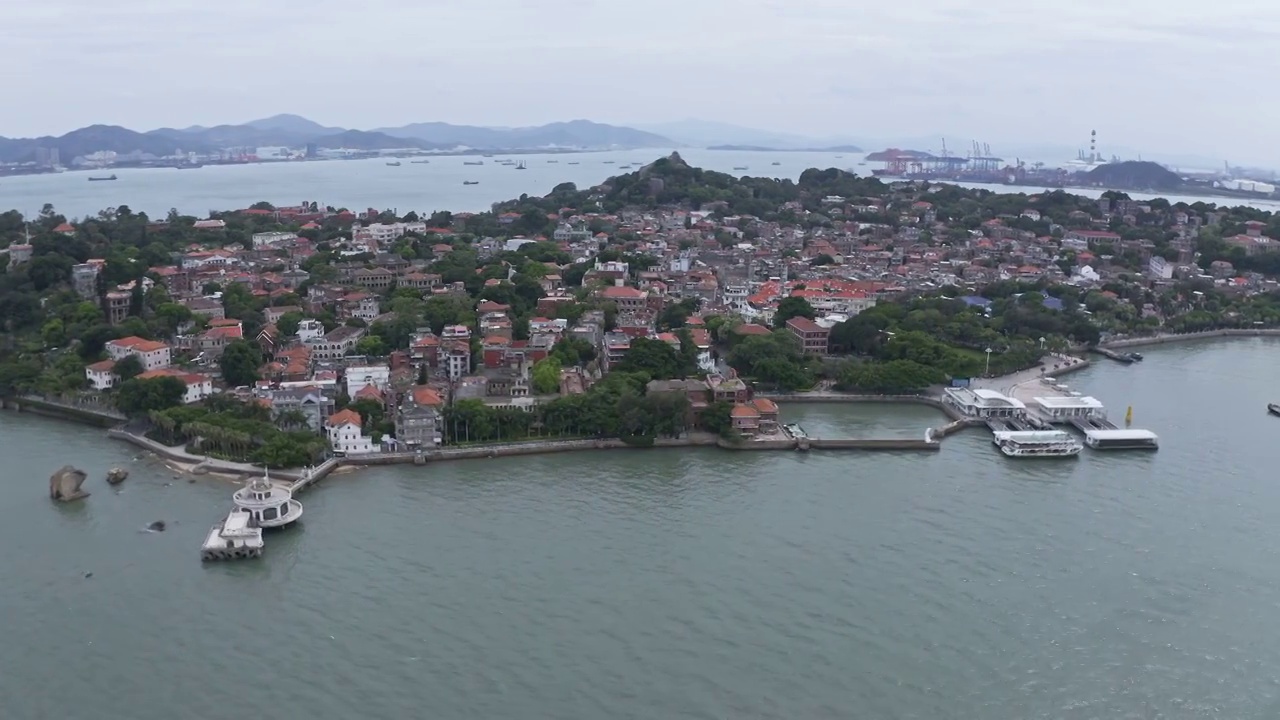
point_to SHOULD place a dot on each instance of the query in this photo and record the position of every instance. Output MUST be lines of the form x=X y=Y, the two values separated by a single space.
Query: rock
x=116 y=475
x=157 y=526
x=64 y=485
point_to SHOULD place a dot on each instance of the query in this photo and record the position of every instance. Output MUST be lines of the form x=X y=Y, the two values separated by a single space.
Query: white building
x=101 y=375
x=199 y=386
x=358 y=376
x=154 y=355
x=1160 y=268
x=346 y=436
x=1063 y=409
x=983 y=403
x=310 y=329
x=272 y=239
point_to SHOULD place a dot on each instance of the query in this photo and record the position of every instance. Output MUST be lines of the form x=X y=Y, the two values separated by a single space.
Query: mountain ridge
x=296 y=131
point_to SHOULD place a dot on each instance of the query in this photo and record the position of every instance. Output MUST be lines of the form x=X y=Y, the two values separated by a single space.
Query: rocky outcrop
x=116 y=475
x=64 y=485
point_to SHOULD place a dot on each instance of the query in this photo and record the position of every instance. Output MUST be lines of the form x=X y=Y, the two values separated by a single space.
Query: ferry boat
x=102 y=179
x=1113 y=439
x=394 y=164
x=470 y=182
x=472 y=162
x=1037 y=443
x=741 y=167
x=775 y=162
x=419 y=162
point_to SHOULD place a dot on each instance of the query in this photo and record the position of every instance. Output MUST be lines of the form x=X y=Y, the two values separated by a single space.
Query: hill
x=1135 y=175
x=295 y=131
x=572 y=134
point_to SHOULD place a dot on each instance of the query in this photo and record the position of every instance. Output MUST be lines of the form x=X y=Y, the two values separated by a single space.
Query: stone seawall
x=44 y=408
x=1182 y=337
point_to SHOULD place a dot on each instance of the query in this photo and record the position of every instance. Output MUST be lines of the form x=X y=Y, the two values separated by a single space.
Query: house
x=308 y=400
x=418 y=418
x=346 y=435
x=728 y=389
x=153 y=355
x=216 y=339
x=768 y=411
x=360 y=376
x=746 y=419
x=199 y=386
x=336 y=343
x=812 y=336
x=101 y=375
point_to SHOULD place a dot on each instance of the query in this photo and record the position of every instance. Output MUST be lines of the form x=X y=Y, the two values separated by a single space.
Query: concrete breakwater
x=44 y=407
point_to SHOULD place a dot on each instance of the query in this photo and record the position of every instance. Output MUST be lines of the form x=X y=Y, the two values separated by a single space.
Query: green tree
x=240 y=362
x=546 y=376
x=791 y=307
x=139 y=397
x=372 y=345
x=288 y=324
x=128 y=367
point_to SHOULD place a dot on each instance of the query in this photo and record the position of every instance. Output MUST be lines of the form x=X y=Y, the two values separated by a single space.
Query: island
x=664 y=305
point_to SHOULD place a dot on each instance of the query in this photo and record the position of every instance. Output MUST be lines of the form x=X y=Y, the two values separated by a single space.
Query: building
x=84 y=278
x=340 y=341
x=812 y=336
x=101 y=375
x=153 y=355
x=983 y=403
x=20 y=253
x=360 y=376
x=1065 y=409
x=419 y=422
x=199 y=386
x=216 y=339
x=118 y=306
x=307 y=400
x=346 y=435
x=1159 y=268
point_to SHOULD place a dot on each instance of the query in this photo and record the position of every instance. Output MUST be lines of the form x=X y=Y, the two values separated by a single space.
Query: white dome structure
x=270 y=505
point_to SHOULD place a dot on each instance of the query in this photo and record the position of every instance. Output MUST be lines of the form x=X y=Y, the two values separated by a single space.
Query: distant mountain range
x=759 y=148
x=705 y=133
x=295 y=131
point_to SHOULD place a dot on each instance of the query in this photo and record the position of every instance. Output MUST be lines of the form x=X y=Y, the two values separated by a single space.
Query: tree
x=288 y=324
x=791 y=307
x=546 y=376
x=139 y=397
x=656 y=358
x=240 y=362
x=372 y=345
x=128 y=367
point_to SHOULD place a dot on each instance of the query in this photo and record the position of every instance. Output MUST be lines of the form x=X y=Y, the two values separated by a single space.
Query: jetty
x=262 y=504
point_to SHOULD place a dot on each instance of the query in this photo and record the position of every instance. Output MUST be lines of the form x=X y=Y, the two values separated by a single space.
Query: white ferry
x=1037 y=443
x=1115 y=439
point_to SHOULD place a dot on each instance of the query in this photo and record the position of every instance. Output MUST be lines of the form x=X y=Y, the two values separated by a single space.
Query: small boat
x=470 y=182
x=573 y=163
x=624 y=167
x=552 y=162
x=608 y=162
x=419 y=162
x=394 y=164
x=1274 y=409
x=740 y=167
x=472 y=162
x=102 y=179
x=1136 y=356
x=189 y=166
x=775 y=162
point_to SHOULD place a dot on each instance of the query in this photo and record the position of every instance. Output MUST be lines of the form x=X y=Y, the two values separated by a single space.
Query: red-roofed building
x=812 y=336
x=199 y=386
x=346 y=434
x=152 y=354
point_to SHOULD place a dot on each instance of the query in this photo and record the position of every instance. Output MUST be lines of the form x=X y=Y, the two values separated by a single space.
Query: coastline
x=1184 y=337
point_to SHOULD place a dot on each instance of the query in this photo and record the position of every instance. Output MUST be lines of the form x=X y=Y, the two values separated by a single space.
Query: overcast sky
x=1157 y=75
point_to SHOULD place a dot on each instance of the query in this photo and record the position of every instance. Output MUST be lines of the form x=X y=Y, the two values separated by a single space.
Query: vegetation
x=229 y=429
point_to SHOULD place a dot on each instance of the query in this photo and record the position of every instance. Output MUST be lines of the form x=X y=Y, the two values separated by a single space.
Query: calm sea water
x=681 y=584
x=359 y=184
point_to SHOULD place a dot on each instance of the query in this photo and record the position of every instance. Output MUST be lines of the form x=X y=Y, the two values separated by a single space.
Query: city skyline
x=1157 y=76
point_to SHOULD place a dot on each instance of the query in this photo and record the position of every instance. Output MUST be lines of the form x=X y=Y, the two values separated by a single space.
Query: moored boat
x=1037 y=443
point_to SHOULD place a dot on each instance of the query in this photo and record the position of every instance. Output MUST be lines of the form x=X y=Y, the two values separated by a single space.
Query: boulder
x=64 y=485
x=116 y=475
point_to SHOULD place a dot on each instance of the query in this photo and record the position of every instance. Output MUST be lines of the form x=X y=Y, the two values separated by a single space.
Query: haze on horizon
x=1161 y=76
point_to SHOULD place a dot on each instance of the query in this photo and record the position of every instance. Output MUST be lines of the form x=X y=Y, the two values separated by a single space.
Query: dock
x=1120 y=357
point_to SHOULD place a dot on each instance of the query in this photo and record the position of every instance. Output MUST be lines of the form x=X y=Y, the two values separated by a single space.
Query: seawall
x=1183 y=337
x=61 y=411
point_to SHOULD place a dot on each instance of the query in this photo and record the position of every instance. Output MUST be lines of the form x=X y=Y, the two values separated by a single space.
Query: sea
x=681 y=583
x=424 y=188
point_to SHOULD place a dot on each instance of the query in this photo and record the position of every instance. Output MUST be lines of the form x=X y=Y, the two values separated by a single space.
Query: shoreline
x=1186 y=337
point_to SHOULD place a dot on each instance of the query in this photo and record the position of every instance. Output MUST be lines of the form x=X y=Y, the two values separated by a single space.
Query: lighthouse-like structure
x=269 y=505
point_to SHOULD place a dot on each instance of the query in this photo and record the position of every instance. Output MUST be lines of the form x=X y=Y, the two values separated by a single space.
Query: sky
x=1155 y=75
